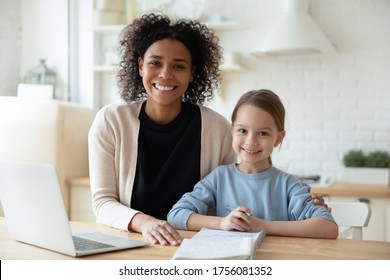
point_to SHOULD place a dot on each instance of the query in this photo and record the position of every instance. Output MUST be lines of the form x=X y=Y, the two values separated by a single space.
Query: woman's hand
x=319 y=200
x=238 y=219
x=154 y=230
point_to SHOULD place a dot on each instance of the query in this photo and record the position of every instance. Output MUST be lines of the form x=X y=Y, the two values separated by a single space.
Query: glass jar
x=41 y=74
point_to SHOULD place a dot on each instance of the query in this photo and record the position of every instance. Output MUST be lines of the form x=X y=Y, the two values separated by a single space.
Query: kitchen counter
x=377 y=196
x=340 y=188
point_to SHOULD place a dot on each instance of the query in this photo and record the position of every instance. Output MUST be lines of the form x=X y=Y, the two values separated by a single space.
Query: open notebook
x=34 y=210
x=214 y=244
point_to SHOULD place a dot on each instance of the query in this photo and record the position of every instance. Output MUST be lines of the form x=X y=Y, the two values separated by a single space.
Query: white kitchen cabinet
x=105 y=61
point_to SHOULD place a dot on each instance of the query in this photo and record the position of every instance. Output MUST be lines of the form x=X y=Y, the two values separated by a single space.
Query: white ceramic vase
x=365 y=175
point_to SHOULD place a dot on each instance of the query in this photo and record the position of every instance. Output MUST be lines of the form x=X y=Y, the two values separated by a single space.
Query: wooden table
x=272 y=248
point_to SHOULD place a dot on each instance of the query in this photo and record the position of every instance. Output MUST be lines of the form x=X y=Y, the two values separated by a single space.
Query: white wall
x=334 y=102
x=30 y=30
x=45 y=35
x=10 y=46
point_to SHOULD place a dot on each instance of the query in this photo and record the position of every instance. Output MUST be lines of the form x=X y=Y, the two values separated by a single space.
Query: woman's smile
x=163 y=87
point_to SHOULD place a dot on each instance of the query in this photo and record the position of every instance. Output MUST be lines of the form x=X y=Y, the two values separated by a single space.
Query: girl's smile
x=249 y=151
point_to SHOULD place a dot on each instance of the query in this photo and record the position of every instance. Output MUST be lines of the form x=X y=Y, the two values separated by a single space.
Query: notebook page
x=215 y=248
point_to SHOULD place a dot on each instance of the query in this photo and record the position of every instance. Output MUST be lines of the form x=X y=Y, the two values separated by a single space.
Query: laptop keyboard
x=83 y=244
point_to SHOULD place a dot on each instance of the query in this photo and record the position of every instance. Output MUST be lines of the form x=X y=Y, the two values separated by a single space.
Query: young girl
x=253 y=195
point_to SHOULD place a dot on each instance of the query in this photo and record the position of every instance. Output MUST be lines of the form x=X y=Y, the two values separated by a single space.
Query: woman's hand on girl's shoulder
x=319 y=200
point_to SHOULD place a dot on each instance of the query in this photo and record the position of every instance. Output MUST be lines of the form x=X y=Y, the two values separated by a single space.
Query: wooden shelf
x=105 y=68
x=232 y=68
x=223 y=25
x=111 y=68
x=78 y=181
x=107 y=28
x=218 y=26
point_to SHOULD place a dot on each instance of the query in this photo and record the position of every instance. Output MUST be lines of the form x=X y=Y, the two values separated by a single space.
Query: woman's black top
x=168 y=161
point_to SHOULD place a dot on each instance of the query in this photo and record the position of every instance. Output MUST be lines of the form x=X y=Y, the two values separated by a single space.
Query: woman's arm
x=105 y=188
x=110 y=196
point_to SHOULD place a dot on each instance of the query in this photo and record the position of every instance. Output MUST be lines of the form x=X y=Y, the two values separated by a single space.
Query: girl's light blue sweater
x=271 y=195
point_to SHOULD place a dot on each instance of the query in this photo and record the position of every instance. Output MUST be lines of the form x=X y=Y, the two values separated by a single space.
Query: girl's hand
x=238 y=219
x=155 y=231
x=258 y=224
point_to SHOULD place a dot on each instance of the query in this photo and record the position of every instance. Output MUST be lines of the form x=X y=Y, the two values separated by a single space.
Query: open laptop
x=34 y=210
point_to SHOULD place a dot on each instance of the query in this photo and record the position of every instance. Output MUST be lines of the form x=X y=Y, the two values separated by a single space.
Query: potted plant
x=371 y=168
x=378 y=159
x=354 y=158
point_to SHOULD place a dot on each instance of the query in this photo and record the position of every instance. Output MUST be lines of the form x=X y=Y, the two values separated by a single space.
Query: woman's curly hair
x=203 y=45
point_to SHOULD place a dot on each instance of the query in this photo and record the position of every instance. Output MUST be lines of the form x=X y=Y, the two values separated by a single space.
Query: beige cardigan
x=112 y=142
